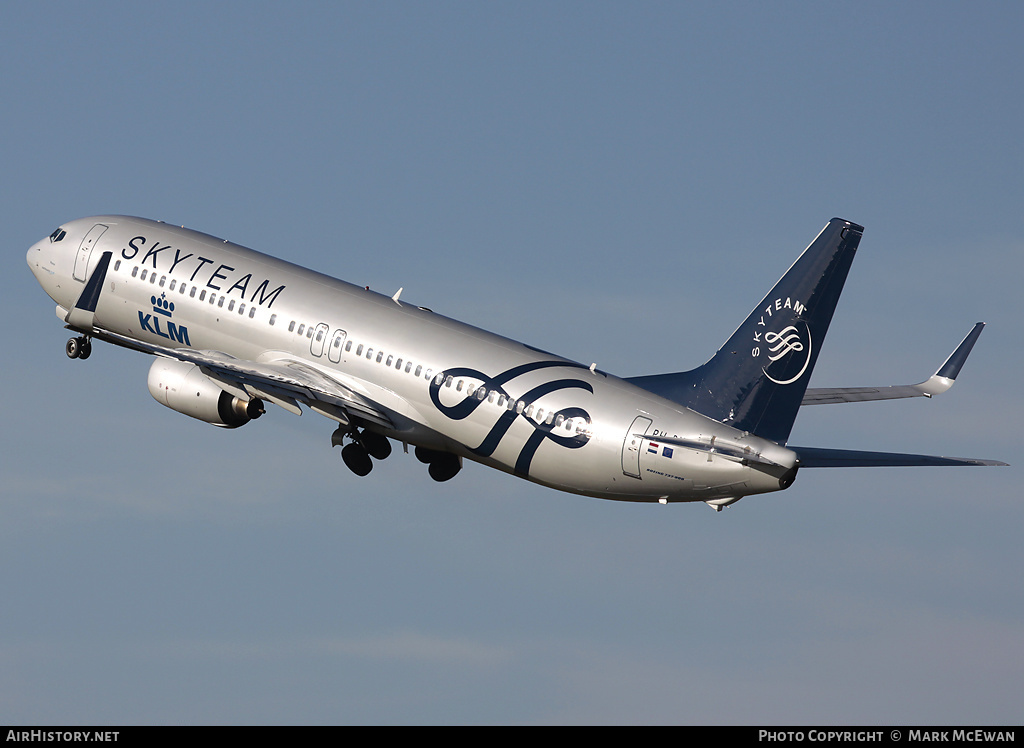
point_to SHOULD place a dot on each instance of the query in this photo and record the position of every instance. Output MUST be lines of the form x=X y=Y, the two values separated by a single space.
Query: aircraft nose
x=43 y=265
x=35 y=258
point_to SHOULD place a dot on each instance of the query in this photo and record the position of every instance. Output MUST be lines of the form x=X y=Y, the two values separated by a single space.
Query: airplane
x=232 y=329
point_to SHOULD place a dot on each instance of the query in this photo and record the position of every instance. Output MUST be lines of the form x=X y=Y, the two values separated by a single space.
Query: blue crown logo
x=162 y=305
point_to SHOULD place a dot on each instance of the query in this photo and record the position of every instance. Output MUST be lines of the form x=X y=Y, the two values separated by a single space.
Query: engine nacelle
x=181 y=386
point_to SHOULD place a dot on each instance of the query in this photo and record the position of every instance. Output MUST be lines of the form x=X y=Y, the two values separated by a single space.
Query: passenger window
x=202 y=295
x=220 y=303
x=390 y=359
x=369 y=353
x=152 y=278
x=319 y=335
x=301 y=328
x=309 y=333
x=170 y=287
x=291 y=326
x=273 y=317
x=252 y=311
x=398 y=364
x=408 y=366
x=135 y=271
x=143 y=276
x=192 y=293
x=359 y=350
x=380 y=355
x=117 y=266
x=231 y=305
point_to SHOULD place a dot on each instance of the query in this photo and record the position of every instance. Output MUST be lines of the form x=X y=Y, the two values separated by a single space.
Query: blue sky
x=617 y=182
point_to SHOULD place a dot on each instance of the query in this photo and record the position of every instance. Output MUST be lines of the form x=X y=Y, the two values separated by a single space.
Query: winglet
x=936 y=384
x=943 y=379
x=955 y=362
x=83 y=314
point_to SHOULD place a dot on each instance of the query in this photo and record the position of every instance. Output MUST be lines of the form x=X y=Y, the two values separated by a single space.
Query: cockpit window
x=57 y=235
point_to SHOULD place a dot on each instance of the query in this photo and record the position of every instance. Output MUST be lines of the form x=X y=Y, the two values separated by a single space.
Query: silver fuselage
x=445 y=385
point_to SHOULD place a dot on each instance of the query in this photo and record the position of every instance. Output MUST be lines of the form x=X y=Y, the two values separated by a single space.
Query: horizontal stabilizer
x=938 y=383
x=812 y=457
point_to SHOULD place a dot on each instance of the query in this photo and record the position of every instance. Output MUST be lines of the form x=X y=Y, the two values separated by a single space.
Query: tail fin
x=757 y=380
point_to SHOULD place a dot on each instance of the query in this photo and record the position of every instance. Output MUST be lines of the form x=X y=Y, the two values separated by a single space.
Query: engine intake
x=181 y=386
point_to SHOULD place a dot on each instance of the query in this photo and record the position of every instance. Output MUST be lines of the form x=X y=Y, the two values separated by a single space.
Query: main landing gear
x=365 y=444
x=80 y=347
x=442 y=466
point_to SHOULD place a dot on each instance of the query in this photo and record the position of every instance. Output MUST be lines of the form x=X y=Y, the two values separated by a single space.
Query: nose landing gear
x=80 y=347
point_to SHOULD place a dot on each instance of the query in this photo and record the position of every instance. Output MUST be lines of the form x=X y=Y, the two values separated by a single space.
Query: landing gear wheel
x=376 y=445
x=445 y=468
x=356 y=458
x=427 y=456
x=78 y=348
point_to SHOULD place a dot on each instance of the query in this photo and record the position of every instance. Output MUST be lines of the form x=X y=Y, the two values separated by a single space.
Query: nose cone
x=43 y=264
x=36 y=261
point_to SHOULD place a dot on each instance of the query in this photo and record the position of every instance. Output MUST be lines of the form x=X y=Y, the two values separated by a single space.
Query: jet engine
x=181 y=386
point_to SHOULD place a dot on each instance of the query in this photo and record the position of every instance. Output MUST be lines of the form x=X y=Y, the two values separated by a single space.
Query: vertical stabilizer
x=757 y=380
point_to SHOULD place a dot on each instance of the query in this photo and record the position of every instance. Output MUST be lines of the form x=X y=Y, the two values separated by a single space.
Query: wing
x=938 y=383
x=284 y=382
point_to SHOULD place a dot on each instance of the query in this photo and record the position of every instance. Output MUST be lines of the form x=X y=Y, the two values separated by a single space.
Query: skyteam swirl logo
x=514 y=408
x=787 y=350
x=785 y=347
